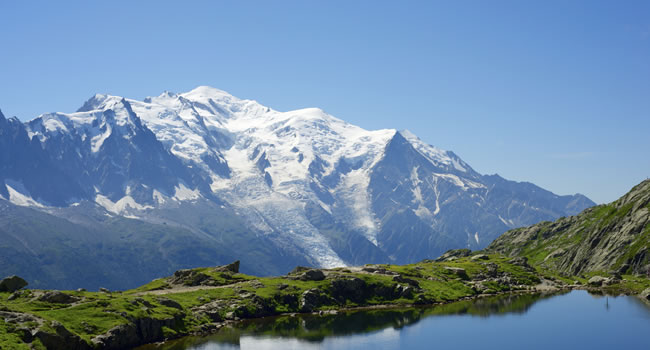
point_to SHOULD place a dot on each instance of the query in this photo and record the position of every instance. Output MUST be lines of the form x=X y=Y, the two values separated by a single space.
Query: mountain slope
x=314 y=188
x=85 y=247
x=611 y=237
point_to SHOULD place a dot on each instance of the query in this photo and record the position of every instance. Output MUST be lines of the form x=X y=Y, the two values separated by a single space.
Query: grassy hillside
x=611 y=238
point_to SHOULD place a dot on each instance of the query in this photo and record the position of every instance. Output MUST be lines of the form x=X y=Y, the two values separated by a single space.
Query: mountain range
x=204 y=178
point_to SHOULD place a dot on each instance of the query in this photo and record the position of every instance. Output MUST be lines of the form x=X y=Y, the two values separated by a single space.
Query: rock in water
x=12 y=284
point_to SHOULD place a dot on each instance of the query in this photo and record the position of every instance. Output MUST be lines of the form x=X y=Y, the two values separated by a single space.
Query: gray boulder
x=57 y=297
x=12 y=284
x=480 y=257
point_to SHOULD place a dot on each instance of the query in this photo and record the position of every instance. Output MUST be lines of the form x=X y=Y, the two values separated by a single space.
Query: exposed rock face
x=613 y=237
x=189 y=277
x=12 y=284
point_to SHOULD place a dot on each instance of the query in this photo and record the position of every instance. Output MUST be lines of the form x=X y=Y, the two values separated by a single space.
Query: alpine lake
x=569 y=320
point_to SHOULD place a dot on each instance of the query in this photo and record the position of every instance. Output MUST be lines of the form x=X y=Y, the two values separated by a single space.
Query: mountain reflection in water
x=301 y=331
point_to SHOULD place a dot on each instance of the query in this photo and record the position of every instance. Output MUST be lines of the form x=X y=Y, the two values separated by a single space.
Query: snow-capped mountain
x=312 y=184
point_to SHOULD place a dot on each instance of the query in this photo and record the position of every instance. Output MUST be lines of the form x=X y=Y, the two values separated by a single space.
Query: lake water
x=575 y=320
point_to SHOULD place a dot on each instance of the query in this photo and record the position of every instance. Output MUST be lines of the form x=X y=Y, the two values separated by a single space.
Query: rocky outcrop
x=232 y=267
x=613 y=237
x=12 y=284
x=135 y=333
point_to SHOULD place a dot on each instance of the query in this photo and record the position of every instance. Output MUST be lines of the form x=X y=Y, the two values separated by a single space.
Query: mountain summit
x=312 y=187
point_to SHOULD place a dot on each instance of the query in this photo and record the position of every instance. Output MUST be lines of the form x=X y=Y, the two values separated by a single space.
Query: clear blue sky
x=552 y=92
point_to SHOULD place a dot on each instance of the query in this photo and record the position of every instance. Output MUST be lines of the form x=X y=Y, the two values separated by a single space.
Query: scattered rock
x=597 y=281
x=458 y=271
x=58 y=298
x=282 y=286
x=454 y=253
x=12 y=284
x=480 y=257
x=104 y=290
x=312 y=275
x=232 y=267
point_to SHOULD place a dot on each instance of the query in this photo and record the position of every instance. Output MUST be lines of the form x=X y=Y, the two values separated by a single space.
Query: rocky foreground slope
x=612 y=238
x=200 y=301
